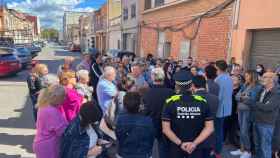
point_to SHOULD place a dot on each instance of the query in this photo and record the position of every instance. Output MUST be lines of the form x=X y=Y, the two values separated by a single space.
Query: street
x=16 y=121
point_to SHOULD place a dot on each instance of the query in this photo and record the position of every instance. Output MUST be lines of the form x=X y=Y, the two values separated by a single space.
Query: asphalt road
x=16 y=121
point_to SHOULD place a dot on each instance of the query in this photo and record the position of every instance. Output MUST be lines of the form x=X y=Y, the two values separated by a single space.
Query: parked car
x=24 y=55
x=9 y=62
x=40 y=44
x=75 y=48
x=34 y=50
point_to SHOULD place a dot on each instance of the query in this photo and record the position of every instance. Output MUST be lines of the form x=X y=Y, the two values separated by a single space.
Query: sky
x=51 y=12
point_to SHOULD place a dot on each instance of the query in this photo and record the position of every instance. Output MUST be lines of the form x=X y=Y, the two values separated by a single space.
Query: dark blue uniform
x=187 y=115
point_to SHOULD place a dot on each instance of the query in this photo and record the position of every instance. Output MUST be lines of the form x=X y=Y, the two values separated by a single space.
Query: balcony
x=100 y=25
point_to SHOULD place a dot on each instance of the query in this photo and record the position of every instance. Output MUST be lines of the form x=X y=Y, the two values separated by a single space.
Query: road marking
x=18 y=131
x=15 y=150
x=11 y=83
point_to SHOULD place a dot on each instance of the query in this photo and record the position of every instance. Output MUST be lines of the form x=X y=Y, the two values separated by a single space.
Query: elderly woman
x=50 y=123
x=73 y=100
x=82 y=86
x=36 y=80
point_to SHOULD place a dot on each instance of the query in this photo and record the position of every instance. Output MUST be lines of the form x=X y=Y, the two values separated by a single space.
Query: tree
x=50 y=34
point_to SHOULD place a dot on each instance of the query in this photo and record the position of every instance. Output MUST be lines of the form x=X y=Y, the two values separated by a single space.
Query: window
x=125 y=14
x=167 y=49
x=133 y=11
x=148 y=4
x=159 y=3
x=119 y=44
x=125 y=40
x=161 y=42
x=185 y=49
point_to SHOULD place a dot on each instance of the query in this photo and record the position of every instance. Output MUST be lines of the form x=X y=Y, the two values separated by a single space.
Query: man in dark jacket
x=95 y=72
x=187 y=64
x=199 y=88
x=154 y=100
x=211 y=74
x=265 y=114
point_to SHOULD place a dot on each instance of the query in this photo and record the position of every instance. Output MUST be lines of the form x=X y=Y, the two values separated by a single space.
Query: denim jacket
x=75 y=141
x=252 y=93
x=135 y=134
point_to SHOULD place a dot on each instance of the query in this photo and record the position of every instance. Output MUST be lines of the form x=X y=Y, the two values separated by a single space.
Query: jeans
x=231 y=128
x=245 y=122
x=263 y=140
x=219 y=133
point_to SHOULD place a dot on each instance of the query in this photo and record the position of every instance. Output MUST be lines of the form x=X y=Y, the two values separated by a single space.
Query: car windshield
x=4 y=51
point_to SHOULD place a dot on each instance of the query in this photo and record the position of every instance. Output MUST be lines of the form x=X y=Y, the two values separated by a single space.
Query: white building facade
x=130 y=27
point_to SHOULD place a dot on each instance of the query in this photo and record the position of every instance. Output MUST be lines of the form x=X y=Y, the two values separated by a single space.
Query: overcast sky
x=51 y=11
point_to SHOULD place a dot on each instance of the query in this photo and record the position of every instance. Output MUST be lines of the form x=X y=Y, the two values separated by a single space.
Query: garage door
x=265 y=48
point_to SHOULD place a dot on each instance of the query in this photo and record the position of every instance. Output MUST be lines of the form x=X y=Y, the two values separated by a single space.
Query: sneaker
x=236 y=152
x=246 y=155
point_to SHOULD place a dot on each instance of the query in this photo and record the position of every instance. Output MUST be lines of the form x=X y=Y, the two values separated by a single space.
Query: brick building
x=182 y=28
x=16 y=26
x=36 y=25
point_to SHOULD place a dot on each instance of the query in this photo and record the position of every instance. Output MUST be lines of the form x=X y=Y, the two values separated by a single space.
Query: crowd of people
x=126 y=107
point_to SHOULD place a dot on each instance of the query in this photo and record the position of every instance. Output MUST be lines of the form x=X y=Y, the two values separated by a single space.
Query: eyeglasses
x=267 y=77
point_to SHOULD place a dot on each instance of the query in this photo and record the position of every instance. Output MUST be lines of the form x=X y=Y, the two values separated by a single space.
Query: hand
x=276 y=154
x=189 y=147
x=95 y=151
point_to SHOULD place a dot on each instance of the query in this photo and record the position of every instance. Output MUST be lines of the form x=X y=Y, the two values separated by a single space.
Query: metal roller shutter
x=265 y=48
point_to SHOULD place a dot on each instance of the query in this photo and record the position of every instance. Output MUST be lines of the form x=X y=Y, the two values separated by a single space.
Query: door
x=265 y=48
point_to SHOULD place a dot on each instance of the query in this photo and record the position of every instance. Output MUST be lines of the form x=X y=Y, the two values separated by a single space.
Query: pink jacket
x=71 y=105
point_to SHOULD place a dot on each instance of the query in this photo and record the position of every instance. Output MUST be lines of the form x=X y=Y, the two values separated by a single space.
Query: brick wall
x=211 y=41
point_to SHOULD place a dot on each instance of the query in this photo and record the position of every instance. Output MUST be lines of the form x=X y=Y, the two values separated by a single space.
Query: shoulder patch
x=173 y=99
x=199 y=98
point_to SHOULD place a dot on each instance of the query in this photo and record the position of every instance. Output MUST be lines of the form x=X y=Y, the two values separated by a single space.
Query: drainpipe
x=234 y=25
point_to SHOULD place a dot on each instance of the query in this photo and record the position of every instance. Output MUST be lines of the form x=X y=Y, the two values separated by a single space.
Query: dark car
x=9 y=62
x=24 y=55
x=121 y=53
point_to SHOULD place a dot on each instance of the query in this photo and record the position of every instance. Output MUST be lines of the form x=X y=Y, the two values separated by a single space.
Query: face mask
x=259 y=70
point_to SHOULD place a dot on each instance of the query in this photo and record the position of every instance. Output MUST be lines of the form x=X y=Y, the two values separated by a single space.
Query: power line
x=180 y=27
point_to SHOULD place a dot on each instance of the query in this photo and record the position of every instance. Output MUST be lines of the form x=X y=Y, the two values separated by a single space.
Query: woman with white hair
x=82 y=86
x=50 y=122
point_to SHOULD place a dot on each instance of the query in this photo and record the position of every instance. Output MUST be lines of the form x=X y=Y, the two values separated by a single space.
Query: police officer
x=186 y=119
